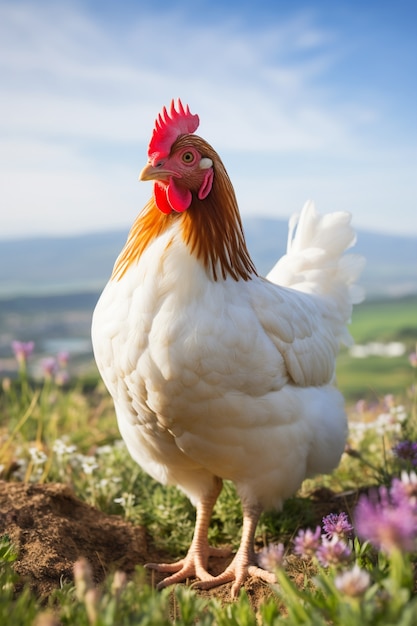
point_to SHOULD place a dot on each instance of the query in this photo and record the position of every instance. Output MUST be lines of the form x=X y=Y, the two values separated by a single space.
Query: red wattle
x=160 y=195
x=179 y=198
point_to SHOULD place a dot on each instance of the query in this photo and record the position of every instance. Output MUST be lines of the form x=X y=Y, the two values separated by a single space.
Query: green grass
x=307 y=593
x=373 y=376
x=385 y=320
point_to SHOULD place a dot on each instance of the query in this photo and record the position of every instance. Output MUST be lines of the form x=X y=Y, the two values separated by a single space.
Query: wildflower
x=405 y=490
x=390 y=422
x=126 y=501
x=106 y=449
x=387 y=525
x=62 y=449
x=89 y=464
x=271 y=557
x=119 y=583
x=406 y=451
x=413 y=359
x=92 y=601
x=38 y=456
x=62 y=358
x=337 y=525
x=61 y=378
x=6 y=384
x=389 y=401
x=83 y=577
x=399 y=413
x=306 y=542
x=353 y=582
x=333 y=551
x=49 y=367
x=22 y=350
x=361 y=407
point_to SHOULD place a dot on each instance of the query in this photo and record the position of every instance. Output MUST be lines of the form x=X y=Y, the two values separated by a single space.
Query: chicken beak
x=150 y=172
x=156 y=172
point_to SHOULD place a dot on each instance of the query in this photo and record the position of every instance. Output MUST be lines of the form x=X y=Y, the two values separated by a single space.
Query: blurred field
x=382 y=322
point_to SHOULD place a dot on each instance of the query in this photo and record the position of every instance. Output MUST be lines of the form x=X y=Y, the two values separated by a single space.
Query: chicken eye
x=188 y=157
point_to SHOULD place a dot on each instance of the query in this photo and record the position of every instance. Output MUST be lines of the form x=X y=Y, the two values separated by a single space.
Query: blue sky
x=301 y=100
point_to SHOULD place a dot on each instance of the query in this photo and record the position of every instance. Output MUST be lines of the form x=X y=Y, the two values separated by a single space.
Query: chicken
x=217 y=373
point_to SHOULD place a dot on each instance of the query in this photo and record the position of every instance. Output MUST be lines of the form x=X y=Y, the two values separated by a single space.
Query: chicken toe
x=193 y=565
x=237 y=572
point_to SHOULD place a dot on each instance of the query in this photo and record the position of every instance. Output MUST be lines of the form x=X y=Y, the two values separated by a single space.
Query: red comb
x=169 y=126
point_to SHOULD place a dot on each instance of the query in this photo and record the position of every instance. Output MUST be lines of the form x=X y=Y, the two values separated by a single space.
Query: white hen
x=217 y=373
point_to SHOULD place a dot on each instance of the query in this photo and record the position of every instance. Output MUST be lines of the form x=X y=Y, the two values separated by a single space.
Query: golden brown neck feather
x=211 y=228
x=149 y=224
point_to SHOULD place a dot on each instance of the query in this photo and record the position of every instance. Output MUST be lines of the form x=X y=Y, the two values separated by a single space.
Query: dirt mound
x=51 y=529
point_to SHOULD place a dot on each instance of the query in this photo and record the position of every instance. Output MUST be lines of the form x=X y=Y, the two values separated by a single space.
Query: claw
x=237 y=572
x=193 y=565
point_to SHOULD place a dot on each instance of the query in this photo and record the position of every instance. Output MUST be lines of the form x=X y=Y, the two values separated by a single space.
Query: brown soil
x=51 y=529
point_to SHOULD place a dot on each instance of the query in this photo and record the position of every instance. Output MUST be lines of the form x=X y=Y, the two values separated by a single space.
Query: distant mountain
x=84 y=262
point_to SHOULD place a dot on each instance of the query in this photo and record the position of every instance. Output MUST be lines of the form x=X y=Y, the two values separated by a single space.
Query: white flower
x=409 y=479
x=353 y=582
x=61 y=448
x=88 y=464
x=104 y=450
x=38 y=456
x=126 y=501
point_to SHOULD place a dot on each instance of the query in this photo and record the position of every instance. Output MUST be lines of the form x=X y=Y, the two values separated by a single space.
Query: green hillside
x=383 y=322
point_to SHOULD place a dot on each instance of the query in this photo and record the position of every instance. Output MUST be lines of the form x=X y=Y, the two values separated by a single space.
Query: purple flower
x=271 y=557
x=361 y=407
x=388 y=525
x=333 y=551
x=413 y=359
x=49 y=366
x=406 y=451
x=307 y=542
x=337 y=525
x=405 y=490
x=61 y=378
x=22 y=350
x=63 y=358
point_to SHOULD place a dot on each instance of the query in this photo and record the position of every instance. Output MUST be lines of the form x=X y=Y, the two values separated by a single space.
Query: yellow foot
x=193 y=565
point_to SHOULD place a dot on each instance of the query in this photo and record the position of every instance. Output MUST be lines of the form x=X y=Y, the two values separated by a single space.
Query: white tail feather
x=315 y=261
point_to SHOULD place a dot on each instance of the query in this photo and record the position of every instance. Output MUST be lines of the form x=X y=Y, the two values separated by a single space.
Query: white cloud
x=79 y=96
x=74 y=79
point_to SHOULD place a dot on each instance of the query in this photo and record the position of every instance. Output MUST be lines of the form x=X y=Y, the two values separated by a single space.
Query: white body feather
x=231 y=378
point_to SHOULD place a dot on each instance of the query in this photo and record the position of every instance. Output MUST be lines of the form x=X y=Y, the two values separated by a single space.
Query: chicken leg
x=244 y=563
x=196 y=560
